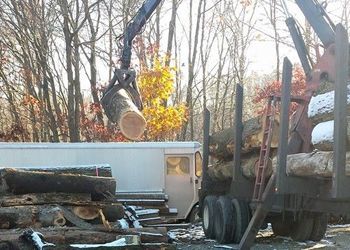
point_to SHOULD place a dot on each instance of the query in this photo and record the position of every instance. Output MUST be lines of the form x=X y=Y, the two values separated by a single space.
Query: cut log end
x=132 y=125
x=86 y=213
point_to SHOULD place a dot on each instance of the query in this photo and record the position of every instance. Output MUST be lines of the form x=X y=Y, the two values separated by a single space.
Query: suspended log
x=223 y=170
x=321 y=107
x=222 y=144
x=31 y=216
x=103 y=170
x=120 y=109
x=21 y=182
x=43 y=198
x=322 y=135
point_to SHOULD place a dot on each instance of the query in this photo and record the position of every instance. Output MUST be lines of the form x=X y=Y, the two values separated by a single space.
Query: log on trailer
x=19 y=181
x=314 y=164
x=120 y=109
x=222 y=144
x=31 y=216
x=223 y=170
x=321 y=107
x=322 y=135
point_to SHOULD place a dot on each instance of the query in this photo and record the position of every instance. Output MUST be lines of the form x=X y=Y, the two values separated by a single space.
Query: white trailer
x=170 y=168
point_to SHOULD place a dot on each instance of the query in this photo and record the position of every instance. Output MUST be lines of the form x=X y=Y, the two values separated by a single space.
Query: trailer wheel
x=320 y=226
x=302 y=228
x=208 y=216
x=241 y=218
x=223 y=220
x=282 y=227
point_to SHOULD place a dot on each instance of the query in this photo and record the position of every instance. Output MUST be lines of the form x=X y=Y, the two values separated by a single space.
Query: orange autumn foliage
x=262 y=92
x=156 y=85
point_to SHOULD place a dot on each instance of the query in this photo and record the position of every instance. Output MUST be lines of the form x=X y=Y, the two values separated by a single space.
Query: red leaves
x=274 y=87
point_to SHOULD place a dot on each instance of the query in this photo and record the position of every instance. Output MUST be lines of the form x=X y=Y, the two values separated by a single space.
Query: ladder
x=264 y=156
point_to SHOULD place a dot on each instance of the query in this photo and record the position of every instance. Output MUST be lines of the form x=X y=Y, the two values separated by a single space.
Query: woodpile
x=67 y=207
x=222 y=146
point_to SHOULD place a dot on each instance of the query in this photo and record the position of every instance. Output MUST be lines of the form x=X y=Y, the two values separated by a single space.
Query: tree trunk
x=23 y=182
x=44 y=198
x=223 y=170
x=90 y=170
x=31 y=216
x=315 y=164
x=120 y=109
x=222 y=144
x=321 y=107
x=322 y=135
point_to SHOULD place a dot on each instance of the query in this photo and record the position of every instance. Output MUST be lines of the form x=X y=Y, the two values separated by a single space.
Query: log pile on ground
x=63 y=208
x=222 y=146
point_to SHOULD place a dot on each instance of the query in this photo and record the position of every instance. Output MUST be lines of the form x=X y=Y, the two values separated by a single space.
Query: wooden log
x=120 y=109
x=113 y=212
x=43 y=198
x=322 y=135
x=321 y=107
x=315 y=164
x=86 y=212
x=222 y=143
x=103 y=170
x=21 y=182
x=222 y=170
x=31 y=216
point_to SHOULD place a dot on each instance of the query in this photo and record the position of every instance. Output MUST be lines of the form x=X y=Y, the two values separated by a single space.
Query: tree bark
x=22 y=182
x=121 y=110
x=222 y=144
x=322 y=135
x=31 y=216
x=90 y=170
x=223 y=170
x=315 y=164
x=44 y=198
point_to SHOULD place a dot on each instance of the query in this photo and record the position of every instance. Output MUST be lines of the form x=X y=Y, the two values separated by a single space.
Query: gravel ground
x=337 y=237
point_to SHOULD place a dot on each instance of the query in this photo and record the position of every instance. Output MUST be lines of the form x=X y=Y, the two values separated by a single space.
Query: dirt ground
x=337 y=237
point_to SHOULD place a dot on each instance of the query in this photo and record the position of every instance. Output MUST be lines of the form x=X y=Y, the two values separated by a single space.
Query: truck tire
x=282 y=227
x=209 y=209
x=223 y=220
x=302 y=228
x=320 y=226
x=241 y=218
x=194 y=215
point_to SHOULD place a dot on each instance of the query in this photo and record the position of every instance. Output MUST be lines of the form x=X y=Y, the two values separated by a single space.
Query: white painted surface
x=136 y=166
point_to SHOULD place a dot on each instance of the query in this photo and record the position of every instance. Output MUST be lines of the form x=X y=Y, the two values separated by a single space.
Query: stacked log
x=222 y=146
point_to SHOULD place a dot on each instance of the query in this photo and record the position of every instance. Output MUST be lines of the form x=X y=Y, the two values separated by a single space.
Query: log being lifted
x=120 y=109
x=31 y=216
x=323 y=135
x=19 y=181
x=222 y=144
x=321 y=107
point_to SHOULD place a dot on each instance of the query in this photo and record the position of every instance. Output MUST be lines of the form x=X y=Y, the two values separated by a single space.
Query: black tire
x=209 y=210
x=302 y=228
x=241 y=218
x=223 y=220
x=282 y=227
x=194 y=215
x=320 y=226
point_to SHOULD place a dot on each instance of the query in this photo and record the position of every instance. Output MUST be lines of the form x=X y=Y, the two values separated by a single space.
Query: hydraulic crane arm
x=124 y=77
x=319 y=20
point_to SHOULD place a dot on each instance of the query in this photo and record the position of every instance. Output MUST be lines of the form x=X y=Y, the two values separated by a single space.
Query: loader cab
x=183 y=173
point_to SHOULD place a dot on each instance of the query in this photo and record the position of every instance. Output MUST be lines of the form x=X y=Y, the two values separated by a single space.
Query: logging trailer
x=296 y=206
